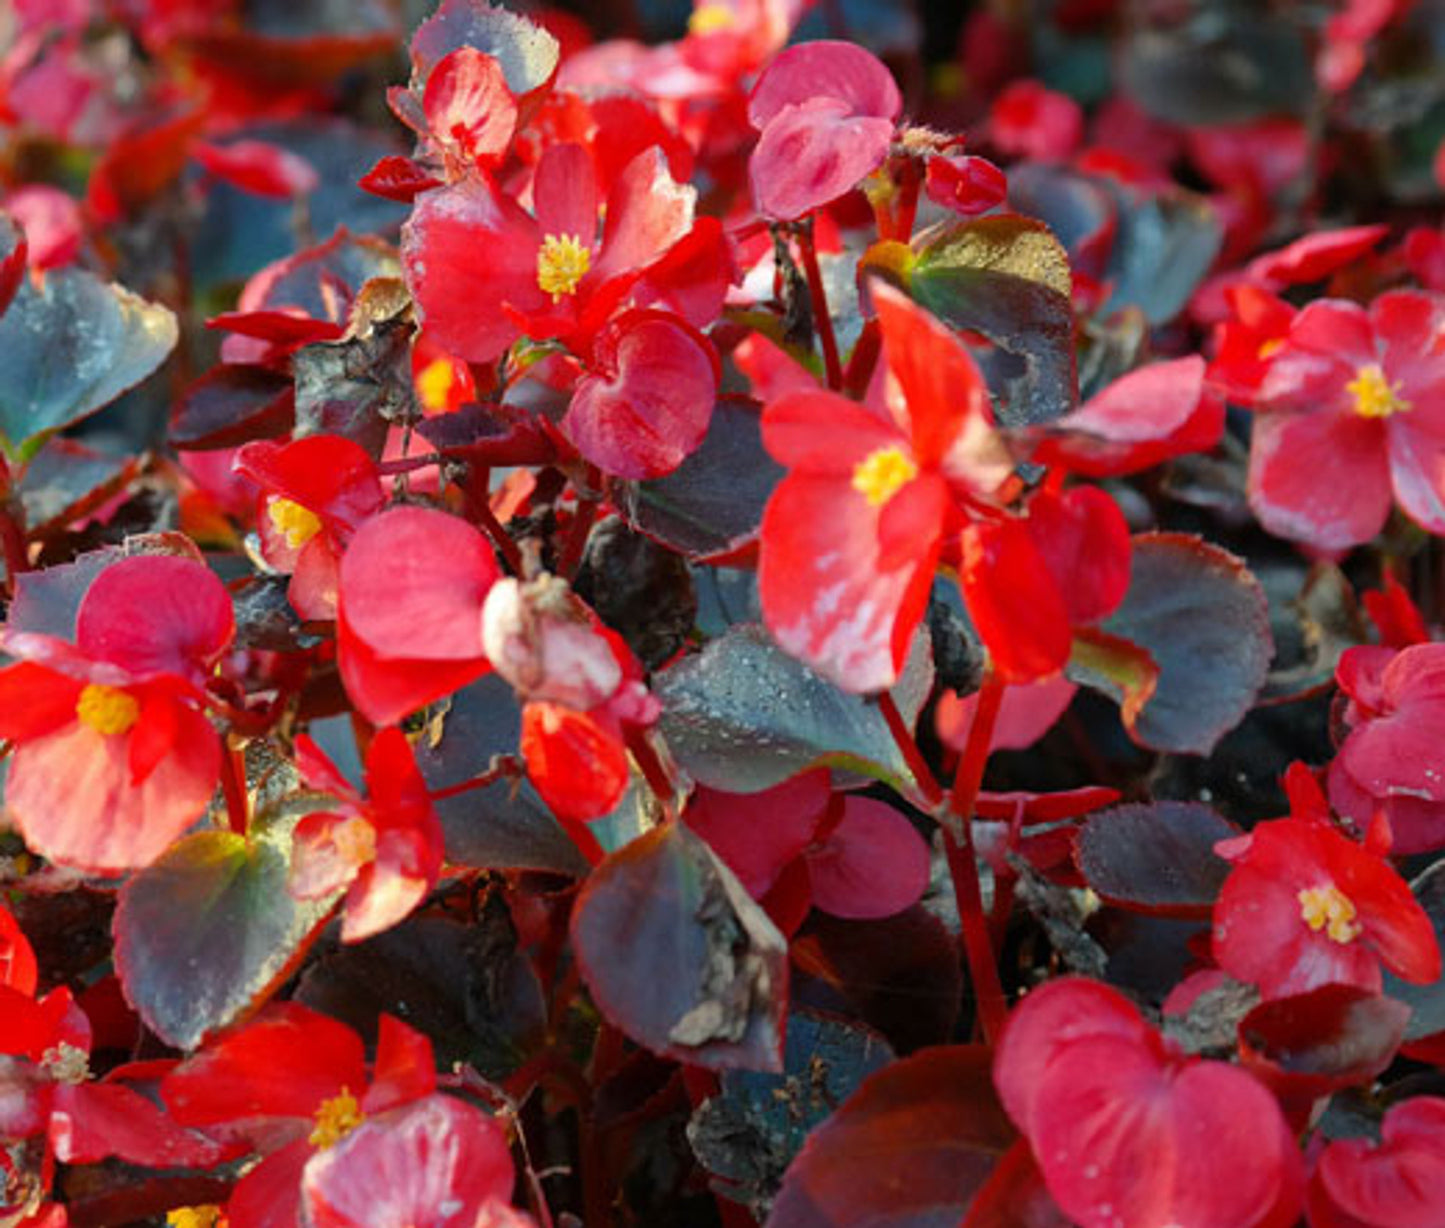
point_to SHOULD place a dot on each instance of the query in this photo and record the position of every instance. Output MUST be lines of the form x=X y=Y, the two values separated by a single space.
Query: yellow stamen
x=562 y=262
x=1270 y=348
x=880 y=474
x=355 y=841
x=336 y=1118
x=434 y=385
x=1329 y=909
x=208 y=1215
x=1375 y=396
x=297 y=524
x=66 y=1063
x=107 y=709
x=710 y=18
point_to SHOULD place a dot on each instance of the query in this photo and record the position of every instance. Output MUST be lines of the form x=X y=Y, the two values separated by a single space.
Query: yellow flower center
x=107 y=709
x=208 y=1215
x=1270 y=348
x=66 y=1063
x=562 y=262
x=878 y=476
x=335 y=1119
x=710 y=18
x=1329 y=909
x=1375 y=396
x=297 y=524
x=434 y=385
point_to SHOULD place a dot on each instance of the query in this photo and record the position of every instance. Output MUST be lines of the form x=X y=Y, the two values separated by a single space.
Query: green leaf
x=71 y=346
x=743 y=716
x=205 y=933
x=1156 y=858
x=1008 y=278
x=1204 y=620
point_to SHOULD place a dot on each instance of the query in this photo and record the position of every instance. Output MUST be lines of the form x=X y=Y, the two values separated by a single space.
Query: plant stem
x=233 y=786
x=903 y=737
x=822 y=320
x=479 y=510
x=580 y=528
x=963 y=864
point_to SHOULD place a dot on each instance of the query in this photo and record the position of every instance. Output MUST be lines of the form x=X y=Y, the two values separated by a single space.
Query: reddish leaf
x=909 y=1149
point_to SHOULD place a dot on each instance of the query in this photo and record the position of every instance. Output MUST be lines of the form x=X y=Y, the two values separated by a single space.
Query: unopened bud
x=538 y=636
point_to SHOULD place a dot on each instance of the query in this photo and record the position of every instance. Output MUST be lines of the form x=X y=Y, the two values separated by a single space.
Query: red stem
x=903 y=736
x=466 y=786
x=963 y=864
x=580 y=528
x=659 y=780
x=233 y=786
x=479 y=510
x=409 y=464
x=12 y=541
x=822 y=320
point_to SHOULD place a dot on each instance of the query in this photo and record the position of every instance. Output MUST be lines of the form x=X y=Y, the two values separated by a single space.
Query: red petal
x=966 y=185
x=1320 y=478
x=330 y=475
x=155 y=614
x=647 y=212
x=578 y=767
x=1026 y=714
x=385 y=689
x=18 y=970
x=811 y=154
x=935 y=392
x=875 y=863
x=468 y=105
x=464 y=245
x=73 y=801
x=437 y=1164
x=647 y=406
x=825 y=69
x=259 y=167
x=91 y=1121
x=1014 y=601
x=1399 y=1181
x=269 y=1196
x=757 y=834
x=1316 y=256
x=1084 y=539
x=412 y=585
x=825 y=595
x=405 y=1067
x=35 y=701
x=284 y=1064
x=822 y=433
x=564 y=191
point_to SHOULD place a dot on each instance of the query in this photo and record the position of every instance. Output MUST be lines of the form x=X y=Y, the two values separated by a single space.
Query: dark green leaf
x=1164 y=246
x=1157 y=858
x=527 y=53
x=207 y=931
x=1008 y=278
x=714 y=502
x=231 y=405
x=1203 y=618
x=677 y=954
x=1427 y=1001
x=67 y=480
x=72 y=346
x=743 y=716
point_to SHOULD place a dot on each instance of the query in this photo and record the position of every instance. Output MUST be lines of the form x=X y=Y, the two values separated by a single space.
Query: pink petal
x=875 y=863
x=469 y=106
x=1320 y=478
x=757 y=834
x=811 y=154
x=825 y=69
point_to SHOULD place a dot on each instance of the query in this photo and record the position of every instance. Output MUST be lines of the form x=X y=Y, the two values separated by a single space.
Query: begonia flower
x=409 y=610
x=1029 y=120
x=293 y=1083
x=1306 y=906
x=113 y=756
x=1397 y=1182
x=1352 y=420
x=315 y=493
x=851 y=536
x=826 y=112
x=386 y=849
x=1128 y=1130
x=1392 y=758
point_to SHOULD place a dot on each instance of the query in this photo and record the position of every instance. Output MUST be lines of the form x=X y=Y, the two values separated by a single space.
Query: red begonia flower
x=1397 y=618
x=576 y=761
x=1392 y=759
x=470 y=243
x=437 y=1163
x=46 y=1088
x=315 y=492
x=1244 y=342
x=1306 y=906
x=965 y=184
x=826 y=112
x=18 y=969
x=113 y=759
x=1028 y=120
x=1128 y=1131
x=851 y=536
x=409 y=611
x=1398 y=1182
x=471 y=115
x=1353 y=420
x=386 y=849
x=293 y=1083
